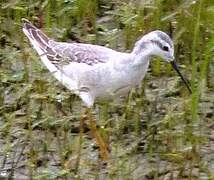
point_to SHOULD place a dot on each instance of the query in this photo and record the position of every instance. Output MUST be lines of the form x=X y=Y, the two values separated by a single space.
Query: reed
x=159 y=131
x=194 y=82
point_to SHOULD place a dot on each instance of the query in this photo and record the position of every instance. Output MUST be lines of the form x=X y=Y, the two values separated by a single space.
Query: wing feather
x=82 y=53
x=60 y=53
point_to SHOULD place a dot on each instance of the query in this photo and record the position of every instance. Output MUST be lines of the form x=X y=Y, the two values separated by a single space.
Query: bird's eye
x=166 y=48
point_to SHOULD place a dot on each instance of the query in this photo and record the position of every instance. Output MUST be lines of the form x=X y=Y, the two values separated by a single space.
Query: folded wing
x=59 y=53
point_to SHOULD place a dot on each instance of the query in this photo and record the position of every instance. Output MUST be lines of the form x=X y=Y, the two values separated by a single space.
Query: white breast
x=108 y=79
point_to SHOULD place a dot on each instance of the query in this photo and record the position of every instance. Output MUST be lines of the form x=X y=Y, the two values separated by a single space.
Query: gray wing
x=81 y=53
x=59 y=53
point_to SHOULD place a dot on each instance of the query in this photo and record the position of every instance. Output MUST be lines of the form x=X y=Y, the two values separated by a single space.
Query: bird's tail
x=47 y=53
x=38 y=39
x=41 y=43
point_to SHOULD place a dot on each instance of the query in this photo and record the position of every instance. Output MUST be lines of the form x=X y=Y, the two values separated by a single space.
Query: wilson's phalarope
x=93 y=71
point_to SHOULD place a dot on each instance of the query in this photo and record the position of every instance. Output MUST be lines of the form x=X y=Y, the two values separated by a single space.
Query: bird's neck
x=142 y=56
x=142 y=52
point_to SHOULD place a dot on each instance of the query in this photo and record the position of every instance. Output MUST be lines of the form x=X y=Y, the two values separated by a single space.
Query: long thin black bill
x=174 y=65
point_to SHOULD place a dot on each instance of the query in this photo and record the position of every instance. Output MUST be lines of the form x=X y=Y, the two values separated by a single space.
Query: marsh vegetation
x=159 y=131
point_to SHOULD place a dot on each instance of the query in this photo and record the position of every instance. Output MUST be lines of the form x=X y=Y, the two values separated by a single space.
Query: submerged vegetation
x=158 y=131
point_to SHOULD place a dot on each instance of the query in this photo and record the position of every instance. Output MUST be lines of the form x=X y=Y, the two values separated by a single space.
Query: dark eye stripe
x=164 y=38
x=158 y=43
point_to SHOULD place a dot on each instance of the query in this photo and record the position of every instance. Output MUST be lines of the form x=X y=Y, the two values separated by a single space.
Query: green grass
x=158 y=131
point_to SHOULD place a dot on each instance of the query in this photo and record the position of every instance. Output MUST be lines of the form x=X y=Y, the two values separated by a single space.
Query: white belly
x=105 y=80
x=113 y=82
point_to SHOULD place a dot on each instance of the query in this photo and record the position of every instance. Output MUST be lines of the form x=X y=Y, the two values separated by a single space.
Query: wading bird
x=92 y=71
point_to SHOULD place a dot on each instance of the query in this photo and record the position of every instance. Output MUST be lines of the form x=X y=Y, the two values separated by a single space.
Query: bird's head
x=158 y=43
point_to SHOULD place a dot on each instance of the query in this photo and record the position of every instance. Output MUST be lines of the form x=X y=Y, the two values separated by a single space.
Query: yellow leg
x=104 y=152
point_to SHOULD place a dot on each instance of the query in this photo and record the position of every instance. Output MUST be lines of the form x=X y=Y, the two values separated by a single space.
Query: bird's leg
x=82 y=119
x=104 y=152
